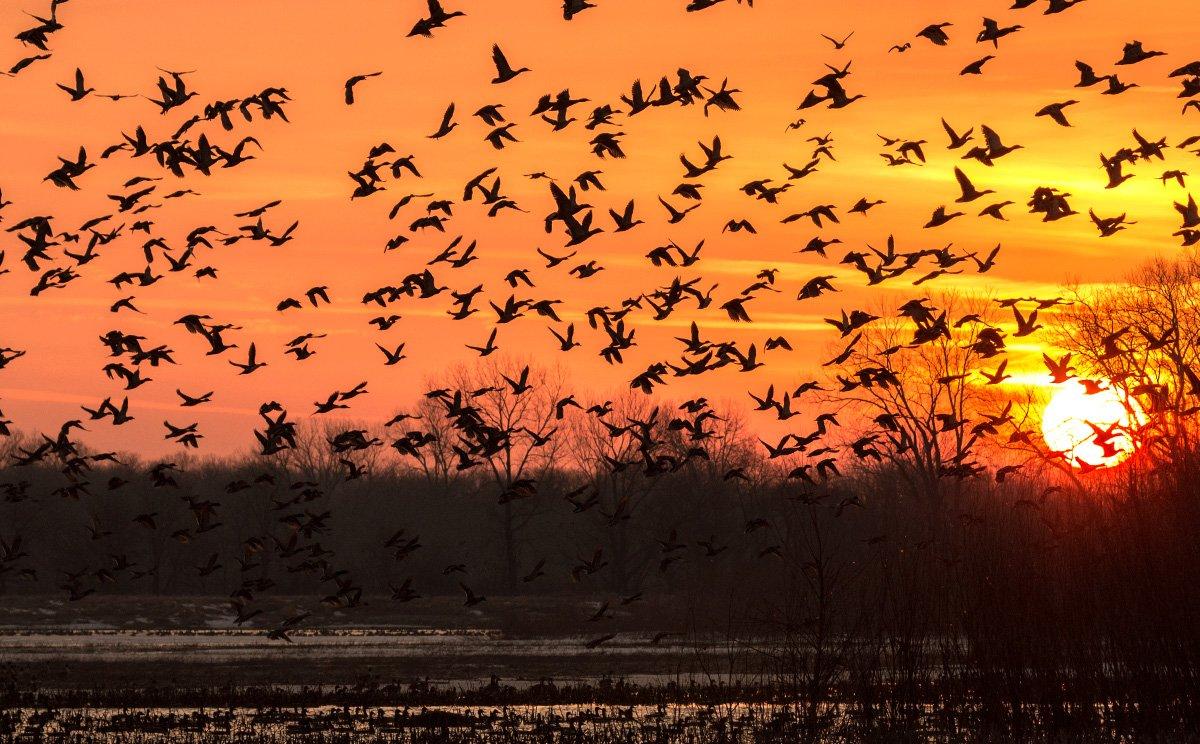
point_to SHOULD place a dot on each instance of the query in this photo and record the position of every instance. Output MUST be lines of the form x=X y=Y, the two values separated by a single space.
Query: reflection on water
x=364 y=684
x=221 y=644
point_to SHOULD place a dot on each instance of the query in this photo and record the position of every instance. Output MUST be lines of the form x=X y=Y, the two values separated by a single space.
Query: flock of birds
x=211 y=137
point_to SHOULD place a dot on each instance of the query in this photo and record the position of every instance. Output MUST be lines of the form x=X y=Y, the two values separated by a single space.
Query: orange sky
x=770 y=53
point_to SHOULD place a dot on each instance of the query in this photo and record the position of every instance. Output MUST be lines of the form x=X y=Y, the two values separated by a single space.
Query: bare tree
x=503 y=420
x=434 y=458
x=917 y=379
x=1143 y=337
x=606 y=451
x=330 y=451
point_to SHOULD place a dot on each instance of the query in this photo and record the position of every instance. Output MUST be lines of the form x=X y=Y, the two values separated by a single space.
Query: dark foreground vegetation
x=998 y=607
x=593 y=722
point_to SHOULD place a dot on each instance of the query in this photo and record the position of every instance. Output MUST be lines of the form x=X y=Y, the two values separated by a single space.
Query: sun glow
x=1091 y=430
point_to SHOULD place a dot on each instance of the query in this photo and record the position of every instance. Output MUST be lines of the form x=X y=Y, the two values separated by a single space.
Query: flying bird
x=504 y=71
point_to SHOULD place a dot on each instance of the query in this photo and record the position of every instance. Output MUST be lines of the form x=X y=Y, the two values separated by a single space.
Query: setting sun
x=1089 y=429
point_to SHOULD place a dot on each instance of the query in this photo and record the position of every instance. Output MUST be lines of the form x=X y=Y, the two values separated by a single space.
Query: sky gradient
x=770 y=53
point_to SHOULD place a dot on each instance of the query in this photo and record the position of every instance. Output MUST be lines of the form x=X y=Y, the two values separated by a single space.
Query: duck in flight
x=504 y=71
x=447 y=125
x=78 y=91
x=353 y=81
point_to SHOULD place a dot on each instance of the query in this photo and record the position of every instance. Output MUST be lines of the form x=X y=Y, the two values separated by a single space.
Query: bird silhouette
x=448 y=124
x=504 y=71
x=78 y=91
x=349 y=92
